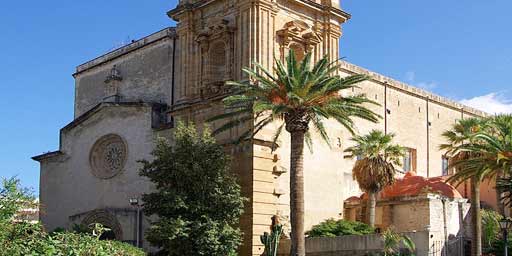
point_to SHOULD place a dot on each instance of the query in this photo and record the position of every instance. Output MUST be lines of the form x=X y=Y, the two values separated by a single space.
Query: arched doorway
x=108 y=235
x=108 y=221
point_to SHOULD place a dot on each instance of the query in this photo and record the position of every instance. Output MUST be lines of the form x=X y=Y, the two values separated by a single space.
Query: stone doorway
x=106 y=219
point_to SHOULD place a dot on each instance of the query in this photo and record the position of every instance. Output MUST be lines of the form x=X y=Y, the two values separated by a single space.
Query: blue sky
x=458 y=49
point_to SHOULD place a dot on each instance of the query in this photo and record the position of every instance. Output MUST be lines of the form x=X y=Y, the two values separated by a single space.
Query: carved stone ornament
x=300 y=33
x=216 y=44
x=108 y=156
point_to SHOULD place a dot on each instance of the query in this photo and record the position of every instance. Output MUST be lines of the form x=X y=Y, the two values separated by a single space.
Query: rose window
x=108 y=156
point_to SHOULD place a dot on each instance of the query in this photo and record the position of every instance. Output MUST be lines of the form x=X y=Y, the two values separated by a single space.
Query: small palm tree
x=460 y=147
x=376 y=167
x=298 y=96
x=393 y=241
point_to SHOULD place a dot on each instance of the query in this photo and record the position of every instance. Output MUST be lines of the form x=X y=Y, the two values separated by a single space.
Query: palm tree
x=298 y=96
x=496 y=153
x=376 y=167
x=461 y=142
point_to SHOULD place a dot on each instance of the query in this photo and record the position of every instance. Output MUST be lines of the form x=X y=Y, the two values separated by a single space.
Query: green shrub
x=497 y=247
x=490 y=227
x=393 y=241
x=333 y=228
x=22 y=238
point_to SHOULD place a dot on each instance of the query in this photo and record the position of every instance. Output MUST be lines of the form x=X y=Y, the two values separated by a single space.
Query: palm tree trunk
x=372 y=202
x=298 y=247
x=476 y=216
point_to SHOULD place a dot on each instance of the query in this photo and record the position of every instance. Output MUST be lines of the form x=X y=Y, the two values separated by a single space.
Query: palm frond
x=313 y=90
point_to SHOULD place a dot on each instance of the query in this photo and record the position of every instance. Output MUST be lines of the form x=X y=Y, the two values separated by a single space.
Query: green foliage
x=393 y=241
x=271 y=241
x=376 y=169
x=490 y=227
x=481 y=148
x=24 y=238
x=296 y=91
x=498 y=247
x=334 y=228
x=376 y=144
x=197 y=198
x=13 y=198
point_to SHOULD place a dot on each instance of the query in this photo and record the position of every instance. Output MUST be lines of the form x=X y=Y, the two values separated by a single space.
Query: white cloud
x=493 y=103
x=410 y=77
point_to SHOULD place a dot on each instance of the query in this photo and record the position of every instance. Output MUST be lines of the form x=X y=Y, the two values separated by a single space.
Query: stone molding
x=169 y=32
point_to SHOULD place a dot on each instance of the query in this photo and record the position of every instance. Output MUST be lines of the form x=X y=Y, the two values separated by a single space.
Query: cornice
x=417 y=92
x=169 y=32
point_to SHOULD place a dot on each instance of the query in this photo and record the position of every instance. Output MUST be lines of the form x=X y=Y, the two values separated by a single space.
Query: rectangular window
x=409 y=161
x=445 y=166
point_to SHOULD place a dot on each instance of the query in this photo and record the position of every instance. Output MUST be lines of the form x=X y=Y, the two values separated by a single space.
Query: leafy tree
x=376 y=168
x=461 y=142
x=334 y=228
x=13 y=198
x=197 y=199
x=298 y=96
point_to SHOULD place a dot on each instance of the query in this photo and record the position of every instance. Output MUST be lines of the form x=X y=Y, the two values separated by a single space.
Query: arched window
x=218 y=62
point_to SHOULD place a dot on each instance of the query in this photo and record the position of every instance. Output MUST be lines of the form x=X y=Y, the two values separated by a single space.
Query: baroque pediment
x=219 y=29
x=298 y=31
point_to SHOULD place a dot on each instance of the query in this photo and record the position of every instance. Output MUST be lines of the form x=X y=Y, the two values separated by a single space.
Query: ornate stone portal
x=106 y=219
x=108 y=156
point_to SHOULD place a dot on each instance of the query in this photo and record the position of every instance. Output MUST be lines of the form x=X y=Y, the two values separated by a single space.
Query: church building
x=127 y=98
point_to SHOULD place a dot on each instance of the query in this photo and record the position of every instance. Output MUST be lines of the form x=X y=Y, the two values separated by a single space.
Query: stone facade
x=139 y=90
x=444 y=218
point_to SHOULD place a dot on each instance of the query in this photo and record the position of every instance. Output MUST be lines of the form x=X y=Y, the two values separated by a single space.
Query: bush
x=497 y=247
x=29 y=239
x=333 y=228
x=490 y=227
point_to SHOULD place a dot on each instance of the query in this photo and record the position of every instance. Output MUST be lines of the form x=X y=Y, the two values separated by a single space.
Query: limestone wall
x=444 y=218
x=69 y=188
x=145 y=67
x=354 y=245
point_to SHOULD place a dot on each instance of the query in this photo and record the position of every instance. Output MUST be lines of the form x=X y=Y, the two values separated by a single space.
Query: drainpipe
x=386 y=108
x=445 y=226
x=428 y=138
x=173 y=90
x=465 y=182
